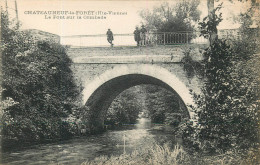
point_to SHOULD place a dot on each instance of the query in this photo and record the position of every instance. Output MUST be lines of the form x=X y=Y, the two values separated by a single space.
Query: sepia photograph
x=120 y=82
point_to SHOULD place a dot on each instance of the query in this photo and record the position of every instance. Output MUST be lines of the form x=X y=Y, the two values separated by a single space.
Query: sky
x=124 y=23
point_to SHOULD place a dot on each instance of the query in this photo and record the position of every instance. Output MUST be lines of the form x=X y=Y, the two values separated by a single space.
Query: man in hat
x=143 y=32
x=137 y=35
x=110 y=37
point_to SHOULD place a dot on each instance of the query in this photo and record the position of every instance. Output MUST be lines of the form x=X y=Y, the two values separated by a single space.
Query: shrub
x=228 y=108
x=38 y=87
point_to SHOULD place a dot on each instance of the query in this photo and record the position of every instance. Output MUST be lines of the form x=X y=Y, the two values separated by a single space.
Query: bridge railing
x=163 y=38
x=171 y=38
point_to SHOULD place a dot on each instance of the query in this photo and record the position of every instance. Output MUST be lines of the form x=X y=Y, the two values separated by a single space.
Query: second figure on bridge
x=137 y=36
x=143 y=32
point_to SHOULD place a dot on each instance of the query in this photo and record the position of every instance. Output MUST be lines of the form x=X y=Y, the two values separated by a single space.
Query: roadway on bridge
x=133 y=54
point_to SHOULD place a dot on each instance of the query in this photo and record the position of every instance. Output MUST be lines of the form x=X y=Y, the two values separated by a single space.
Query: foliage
x=152 y=101
x=167 y=18
x=209 y=25
x=124 y=109
x=228 y=108
x=38 y=84
x=191 y=66
x=248 y=44
x=172 y=119
x=162 y=104
x=157 y=155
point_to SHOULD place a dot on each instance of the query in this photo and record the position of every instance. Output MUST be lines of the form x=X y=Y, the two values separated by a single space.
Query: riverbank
x=82 y=149
x=144 y=144
x=165 y=155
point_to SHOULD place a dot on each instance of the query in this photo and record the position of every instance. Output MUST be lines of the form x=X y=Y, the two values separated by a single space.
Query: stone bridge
x=106 y=72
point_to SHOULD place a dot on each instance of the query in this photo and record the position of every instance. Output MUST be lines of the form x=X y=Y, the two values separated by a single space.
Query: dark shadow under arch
x=102 y=97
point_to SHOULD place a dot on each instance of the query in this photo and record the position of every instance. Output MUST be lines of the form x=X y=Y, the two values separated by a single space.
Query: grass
x=164 y=155
x=153 y=155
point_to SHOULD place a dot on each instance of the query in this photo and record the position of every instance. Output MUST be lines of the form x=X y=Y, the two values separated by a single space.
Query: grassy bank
x=164 y=155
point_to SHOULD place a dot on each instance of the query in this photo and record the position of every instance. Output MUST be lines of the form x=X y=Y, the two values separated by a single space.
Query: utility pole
x=6 y=7
x=16 y=11
x=213 y=34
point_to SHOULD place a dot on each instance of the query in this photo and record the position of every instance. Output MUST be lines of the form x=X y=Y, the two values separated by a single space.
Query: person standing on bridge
x=137 y=35
x=143 y=32
x=110 y=37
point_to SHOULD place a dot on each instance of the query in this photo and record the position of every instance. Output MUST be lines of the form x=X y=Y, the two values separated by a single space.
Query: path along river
x=76 y=151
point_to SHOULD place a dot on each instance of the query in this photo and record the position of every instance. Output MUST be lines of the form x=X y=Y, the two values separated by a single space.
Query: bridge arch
x=99 y=94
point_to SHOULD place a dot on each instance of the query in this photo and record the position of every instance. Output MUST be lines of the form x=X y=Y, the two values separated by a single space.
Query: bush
x=228 y=108
x=38 y=87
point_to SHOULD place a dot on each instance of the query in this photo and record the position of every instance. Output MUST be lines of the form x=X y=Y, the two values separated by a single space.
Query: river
x=78 y=150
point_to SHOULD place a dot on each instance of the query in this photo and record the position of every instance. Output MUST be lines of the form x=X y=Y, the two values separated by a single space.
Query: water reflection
x=143 y=123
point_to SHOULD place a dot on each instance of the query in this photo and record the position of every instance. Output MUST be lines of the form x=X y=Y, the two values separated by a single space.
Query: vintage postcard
x=129 y=82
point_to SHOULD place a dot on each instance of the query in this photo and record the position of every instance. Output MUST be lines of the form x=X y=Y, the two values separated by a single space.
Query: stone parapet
x=133 y=59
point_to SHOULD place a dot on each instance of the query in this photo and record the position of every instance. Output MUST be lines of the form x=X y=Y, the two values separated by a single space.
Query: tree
x=162 y=104
x=213 y=22
x=38 y=87
x=167 y=18
x=211 y=13
x=228 y=108
x=125 y=108
x=208 y=26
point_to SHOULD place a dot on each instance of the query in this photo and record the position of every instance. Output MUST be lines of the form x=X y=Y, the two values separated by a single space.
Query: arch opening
x=145 y=102
x=100 y=92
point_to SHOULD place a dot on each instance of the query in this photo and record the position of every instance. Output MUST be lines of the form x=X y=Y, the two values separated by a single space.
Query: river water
x=76 y=151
